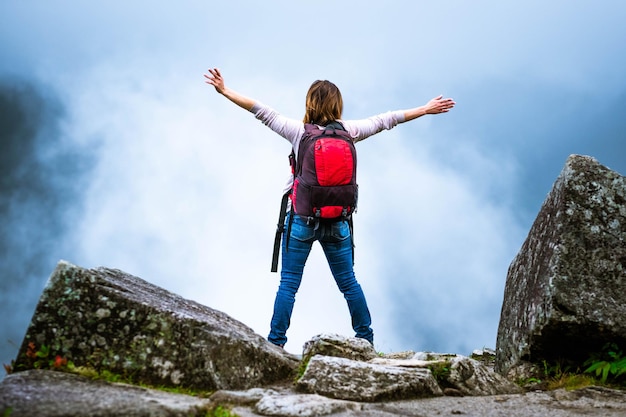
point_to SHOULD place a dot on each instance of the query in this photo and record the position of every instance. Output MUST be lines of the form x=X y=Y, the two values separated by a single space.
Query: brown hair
x=323 y=103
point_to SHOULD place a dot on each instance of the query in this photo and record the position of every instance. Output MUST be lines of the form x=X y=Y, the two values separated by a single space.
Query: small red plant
x=31 y=351
x=43 y=359
x=59 y=362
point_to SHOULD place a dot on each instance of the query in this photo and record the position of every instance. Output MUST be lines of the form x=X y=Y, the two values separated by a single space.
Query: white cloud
x=436 y=238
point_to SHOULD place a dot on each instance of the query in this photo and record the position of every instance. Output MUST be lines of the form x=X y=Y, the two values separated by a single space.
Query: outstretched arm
x=434 y=106
x=214 y=78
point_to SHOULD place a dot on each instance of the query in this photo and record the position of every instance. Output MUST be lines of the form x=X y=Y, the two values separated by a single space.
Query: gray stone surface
x=303 y=405
x=360 y=381
x=339 y=346
x=588 y=402
x=55 y=394
x=565 y=294
x=48 y=393
x=463 y=375
x=472 y=378
x=109 y=320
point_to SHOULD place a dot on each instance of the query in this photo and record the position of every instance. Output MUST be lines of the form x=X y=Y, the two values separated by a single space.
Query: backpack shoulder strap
x=310 y=130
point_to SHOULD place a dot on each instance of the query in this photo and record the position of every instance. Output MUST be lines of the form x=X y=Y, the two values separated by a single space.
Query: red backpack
x=324 y=187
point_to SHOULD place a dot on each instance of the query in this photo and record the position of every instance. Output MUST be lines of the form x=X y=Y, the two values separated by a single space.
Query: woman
x=323 y=106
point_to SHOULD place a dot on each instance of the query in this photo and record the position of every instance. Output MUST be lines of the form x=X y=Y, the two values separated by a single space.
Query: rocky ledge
x=50 y=393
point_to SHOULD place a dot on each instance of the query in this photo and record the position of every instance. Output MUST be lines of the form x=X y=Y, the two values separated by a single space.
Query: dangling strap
x=280 y=228
x=351 y=225
x=288 y=231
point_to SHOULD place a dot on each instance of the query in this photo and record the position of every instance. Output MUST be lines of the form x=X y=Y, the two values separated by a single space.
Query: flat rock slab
x=48 y=393
x=588 y=402
x=464 y=375
x=328 y=344
x=304 y=405
x=106 y=319
x=348 y=379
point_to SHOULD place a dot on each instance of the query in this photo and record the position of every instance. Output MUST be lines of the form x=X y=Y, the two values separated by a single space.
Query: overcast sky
x=115 y=153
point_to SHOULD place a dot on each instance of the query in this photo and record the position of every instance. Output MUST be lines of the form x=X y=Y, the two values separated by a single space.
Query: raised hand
x=214 y=78
x=439 y=105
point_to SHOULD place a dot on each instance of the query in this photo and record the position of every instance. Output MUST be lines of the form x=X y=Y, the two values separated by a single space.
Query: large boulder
x=108 y=320
x=565 y=294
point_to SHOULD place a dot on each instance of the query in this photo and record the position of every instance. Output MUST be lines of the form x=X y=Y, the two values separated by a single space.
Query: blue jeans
x=336 y=242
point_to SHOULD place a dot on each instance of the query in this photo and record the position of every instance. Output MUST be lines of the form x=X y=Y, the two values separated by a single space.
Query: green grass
x=441 y=372
x=609 y=364
x=605 y=368
x=109 y=376
x=220 y=411
x=571 y=382
x=213 y=411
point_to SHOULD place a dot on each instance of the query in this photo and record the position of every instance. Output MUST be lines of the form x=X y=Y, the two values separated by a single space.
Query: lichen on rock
x=108 y=320
x=565 y=294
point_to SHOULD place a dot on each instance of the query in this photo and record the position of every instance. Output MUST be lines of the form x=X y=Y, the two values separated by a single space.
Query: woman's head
x=323 y=103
